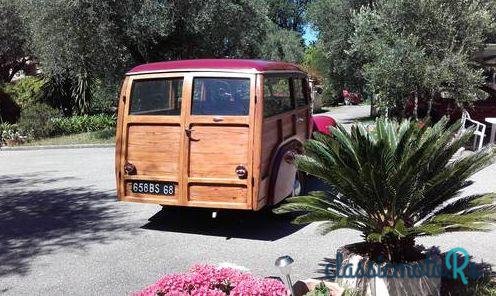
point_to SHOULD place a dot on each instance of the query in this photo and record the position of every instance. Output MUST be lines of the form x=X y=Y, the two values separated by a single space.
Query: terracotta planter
x=420 y=278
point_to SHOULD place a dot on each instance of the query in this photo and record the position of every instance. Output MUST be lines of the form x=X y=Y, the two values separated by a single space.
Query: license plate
x=156 y=188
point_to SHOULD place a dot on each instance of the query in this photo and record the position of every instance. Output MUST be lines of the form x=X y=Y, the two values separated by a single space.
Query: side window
x=156 y=97
x=299 y=92
x=277 y=95
x=221 y=96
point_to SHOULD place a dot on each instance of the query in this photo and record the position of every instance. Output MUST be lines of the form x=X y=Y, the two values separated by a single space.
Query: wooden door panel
x=270 y=139
x=154 y=149
x=218 y=193
x=287 y=126
x=216 y=151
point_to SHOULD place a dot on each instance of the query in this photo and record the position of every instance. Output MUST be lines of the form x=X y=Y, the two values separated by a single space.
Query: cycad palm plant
x=393 y=183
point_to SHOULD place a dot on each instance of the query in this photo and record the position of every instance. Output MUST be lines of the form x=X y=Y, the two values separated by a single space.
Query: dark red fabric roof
x=214 y=64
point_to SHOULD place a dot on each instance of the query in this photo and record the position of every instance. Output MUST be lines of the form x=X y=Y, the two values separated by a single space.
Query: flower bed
x=208 y=280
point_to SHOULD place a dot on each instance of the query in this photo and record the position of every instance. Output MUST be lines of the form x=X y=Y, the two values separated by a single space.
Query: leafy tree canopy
x=78 y=42
x=288 y=14
x=13 y=41
x=332 y=20
x=396 y=49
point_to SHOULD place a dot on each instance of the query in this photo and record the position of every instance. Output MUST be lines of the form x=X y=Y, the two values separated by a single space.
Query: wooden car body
x=223 y=139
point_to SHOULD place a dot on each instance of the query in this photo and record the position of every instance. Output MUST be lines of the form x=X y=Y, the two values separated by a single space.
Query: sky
x=309 y=35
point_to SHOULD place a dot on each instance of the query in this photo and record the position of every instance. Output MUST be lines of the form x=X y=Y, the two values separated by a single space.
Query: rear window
x=156 y=97
x=221 y=96
x=277 y=96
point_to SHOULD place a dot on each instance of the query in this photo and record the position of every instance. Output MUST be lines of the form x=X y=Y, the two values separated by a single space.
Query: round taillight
x=129 y=169
x=241 y=172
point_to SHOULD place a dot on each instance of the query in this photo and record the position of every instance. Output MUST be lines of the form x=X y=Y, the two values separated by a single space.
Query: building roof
x=234 y=65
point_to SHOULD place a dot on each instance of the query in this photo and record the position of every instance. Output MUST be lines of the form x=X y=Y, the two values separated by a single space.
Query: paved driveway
x=63 y=233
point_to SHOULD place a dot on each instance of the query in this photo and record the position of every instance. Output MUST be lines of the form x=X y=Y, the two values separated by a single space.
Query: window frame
x=304 y=90
x=226 y=77
x=291 y=76
x=287 y=76
x=158 y=78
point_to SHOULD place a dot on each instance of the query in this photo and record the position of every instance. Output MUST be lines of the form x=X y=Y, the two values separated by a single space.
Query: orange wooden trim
x=118 y=138
x=197 y=180
x=251 y=145
x=219 y=119
x=154 y=119
x=185 y=146
x=163 y=178
x=219 y=205
x=257 y=128
x=162 y=200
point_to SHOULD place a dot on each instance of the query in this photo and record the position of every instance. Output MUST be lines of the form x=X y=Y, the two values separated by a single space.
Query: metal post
x=288 y=279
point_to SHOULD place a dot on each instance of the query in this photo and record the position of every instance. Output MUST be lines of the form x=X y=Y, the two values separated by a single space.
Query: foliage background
x=395 y=50
x=84 y=46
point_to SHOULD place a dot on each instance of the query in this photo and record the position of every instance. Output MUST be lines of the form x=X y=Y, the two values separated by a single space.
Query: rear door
x=152 y=138
x=218 y=142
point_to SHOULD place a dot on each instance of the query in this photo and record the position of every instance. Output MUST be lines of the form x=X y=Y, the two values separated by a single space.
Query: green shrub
x=83 y=123
x=320 y=290
x=11 y=134
x=104 y=96
x=104 y=134
x=37 y=120
x=26 y=91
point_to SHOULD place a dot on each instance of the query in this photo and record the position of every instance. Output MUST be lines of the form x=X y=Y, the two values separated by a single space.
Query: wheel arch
x=290 y=145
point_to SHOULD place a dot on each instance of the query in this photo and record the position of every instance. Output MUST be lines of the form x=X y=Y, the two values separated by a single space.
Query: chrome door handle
x=188 y=131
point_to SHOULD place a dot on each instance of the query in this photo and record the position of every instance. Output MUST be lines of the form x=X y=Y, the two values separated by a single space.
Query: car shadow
x=326 y=270
x=263 y=225
x=35 y=221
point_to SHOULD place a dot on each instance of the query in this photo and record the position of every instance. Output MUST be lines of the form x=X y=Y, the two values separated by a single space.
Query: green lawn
x=99 y=137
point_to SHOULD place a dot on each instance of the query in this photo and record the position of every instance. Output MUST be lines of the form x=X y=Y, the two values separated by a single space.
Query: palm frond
x=395 y=182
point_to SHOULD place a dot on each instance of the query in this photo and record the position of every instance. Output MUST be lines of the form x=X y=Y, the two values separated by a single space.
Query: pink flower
x=208 y=280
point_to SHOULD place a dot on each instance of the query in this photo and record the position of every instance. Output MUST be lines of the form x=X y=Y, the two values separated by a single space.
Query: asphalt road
x=62 y=232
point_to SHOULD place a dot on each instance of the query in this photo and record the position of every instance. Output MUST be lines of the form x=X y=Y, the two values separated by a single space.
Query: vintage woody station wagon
x=218 y=133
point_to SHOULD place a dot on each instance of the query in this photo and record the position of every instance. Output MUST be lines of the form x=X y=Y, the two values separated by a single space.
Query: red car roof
x=214 y=64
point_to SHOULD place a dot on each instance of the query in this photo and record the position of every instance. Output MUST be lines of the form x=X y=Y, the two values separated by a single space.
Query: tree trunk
x=429 y=108
x=415 y=106
x=429 y=105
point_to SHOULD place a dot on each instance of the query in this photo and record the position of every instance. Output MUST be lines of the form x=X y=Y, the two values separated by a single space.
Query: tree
x=288 y=14
x=399 y=49
x=13 y=42
x=393 y=184
x=314 y=61
x=85 y=40
x=283 y=45
x=419 y=49
x=332 y=21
